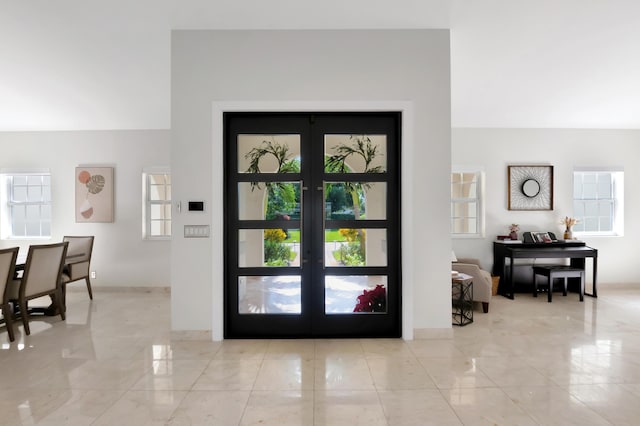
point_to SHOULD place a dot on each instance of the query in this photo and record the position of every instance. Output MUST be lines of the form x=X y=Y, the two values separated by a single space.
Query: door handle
x=304 y=188
x=324 y=227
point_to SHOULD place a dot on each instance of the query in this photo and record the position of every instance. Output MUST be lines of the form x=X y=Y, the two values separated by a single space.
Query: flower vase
x=568 y=233
x=513 y=235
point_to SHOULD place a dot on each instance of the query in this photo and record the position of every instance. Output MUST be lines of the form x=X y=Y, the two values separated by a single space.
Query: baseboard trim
x=432 y=333
x=191 y=335
x=115 y=289
x=616 y=286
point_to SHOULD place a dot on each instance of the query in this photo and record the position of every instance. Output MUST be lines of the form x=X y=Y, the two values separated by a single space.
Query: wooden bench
x=557 y=271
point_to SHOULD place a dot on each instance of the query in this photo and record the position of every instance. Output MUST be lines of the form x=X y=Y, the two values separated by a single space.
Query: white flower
x=568 y=221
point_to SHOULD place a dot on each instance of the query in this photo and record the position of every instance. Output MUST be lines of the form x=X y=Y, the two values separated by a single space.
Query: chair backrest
x=43 y=268
x=7 y=267
x=79 y=245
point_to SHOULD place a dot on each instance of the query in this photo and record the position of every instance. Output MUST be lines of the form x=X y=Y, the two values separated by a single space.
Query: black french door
x=312 y=225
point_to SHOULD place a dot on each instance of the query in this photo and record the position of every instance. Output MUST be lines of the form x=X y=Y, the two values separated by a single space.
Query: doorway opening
x=312 y=225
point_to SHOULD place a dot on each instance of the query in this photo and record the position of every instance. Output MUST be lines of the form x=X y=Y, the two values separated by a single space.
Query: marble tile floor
x=527 y=362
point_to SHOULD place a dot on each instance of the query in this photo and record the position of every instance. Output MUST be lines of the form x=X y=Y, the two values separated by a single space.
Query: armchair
x=481 y=280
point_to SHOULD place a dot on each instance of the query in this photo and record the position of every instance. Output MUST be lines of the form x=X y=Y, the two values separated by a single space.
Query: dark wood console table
x=576 y=251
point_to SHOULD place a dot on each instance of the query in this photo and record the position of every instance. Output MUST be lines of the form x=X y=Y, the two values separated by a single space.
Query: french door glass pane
x=268 y=247
x=355 y=201
x=355 y=153
x=269 y=153
x=278 y=294
x=355 y=294
x=355 y=247
x=269 y=201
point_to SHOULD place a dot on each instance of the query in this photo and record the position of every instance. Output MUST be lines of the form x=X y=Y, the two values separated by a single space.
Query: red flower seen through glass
x=372 y=300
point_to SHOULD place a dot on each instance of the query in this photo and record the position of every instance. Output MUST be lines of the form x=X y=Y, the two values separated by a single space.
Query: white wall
x=107 y=63
x=121 y=258
x=515 y=63
x=545 y=64
x=495 y=149
x=311 y=66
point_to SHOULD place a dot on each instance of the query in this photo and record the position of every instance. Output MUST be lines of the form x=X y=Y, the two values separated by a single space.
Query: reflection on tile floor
x=527 y=362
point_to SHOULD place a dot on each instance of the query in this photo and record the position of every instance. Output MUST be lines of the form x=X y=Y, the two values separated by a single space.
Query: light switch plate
x=196 y=231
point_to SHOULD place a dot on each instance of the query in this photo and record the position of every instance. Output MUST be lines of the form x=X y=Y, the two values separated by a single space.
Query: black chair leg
x=89 y=288
x=24 y=313
x=582 y=287
x=550 y=282
x=61 y=303
x=8 y=319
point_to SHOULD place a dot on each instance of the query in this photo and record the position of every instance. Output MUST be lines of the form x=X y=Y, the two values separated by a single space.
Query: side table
x=461 y=299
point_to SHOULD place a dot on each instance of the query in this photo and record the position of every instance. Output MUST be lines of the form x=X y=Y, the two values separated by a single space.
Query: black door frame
x=365 y=325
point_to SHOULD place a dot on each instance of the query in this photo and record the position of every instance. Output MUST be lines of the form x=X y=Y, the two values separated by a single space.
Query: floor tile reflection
x=526 y=362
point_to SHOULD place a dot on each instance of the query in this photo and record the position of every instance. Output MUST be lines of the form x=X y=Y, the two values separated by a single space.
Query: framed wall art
x=530 y=187
x=94 y=194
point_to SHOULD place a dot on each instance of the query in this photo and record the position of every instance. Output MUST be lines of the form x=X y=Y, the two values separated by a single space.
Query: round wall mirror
x=530 y=188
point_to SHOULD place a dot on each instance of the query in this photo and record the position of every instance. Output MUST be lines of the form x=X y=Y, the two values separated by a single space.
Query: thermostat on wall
x=196 y=206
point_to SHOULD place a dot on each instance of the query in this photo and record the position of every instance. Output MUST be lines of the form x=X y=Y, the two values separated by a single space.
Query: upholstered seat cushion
x=481 y=279
x=75 y=271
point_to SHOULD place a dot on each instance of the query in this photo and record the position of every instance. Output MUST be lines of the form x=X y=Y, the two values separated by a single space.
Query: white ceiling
x=78 y=64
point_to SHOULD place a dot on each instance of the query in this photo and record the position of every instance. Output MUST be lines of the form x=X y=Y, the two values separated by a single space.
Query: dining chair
x=41 y=277
x=7 y=267
x=78 y=260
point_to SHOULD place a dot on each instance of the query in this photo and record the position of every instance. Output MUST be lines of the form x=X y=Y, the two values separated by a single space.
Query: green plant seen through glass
x=331 y=235
x=343 y=197
x=281 y=196
x=276 y=253
x=351 y=253
x=294 y=236
x=359 y=146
